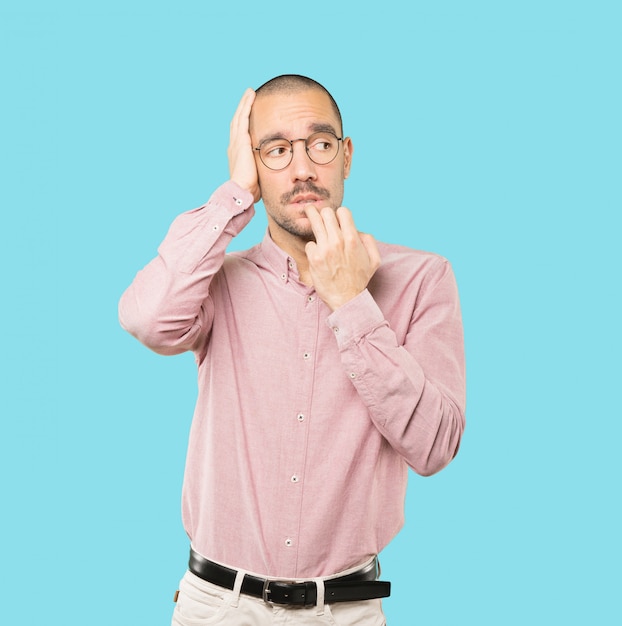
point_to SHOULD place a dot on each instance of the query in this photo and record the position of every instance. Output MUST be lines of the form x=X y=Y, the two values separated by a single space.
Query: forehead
x=291 y=115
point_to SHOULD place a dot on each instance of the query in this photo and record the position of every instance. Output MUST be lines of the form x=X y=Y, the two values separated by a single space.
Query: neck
x=294 y=246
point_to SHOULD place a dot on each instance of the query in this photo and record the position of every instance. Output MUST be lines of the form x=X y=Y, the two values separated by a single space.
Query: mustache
x=301 y=188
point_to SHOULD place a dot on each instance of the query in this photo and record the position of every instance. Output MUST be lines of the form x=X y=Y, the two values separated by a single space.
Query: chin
x=299 y=227
x=306 y=234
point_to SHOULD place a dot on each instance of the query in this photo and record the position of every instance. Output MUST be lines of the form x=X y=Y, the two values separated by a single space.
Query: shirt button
x=283 y=276
x=306 y=355
x=289 y=542
x=238 y=201
x=290 y=265
x=352 y=375
x=336 y=329
x=295 y=478
x=310 y=299
x=215 y=227
x=301 y=417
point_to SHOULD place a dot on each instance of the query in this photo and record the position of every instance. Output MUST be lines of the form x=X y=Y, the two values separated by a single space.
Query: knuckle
x=351 y=239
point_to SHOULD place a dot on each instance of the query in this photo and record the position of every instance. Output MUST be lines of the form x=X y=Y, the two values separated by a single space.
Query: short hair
x=294 y=83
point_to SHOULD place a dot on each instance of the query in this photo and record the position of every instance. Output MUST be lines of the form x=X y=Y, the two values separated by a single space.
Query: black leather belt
x=359 y=585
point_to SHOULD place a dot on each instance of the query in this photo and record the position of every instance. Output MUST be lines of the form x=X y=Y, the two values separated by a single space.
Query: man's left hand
x=341 y=260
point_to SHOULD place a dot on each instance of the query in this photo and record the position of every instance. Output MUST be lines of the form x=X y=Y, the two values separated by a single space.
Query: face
x=286 y=192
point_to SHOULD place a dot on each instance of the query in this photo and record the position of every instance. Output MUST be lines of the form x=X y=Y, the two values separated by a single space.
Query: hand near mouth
x=341 y=260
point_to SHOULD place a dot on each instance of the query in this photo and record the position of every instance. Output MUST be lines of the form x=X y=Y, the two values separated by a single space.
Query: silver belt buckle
x=265 y=592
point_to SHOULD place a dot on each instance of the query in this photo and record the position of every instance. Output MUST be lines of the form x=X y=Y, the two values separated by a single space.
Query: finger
x=331 y=224
x=346 y=221
x=242 y=113
x=347 y=225
x=371 y=247
x=236 y=115
x=310 y=248
x=245 y=103
x=241 y=120
x=317 y=223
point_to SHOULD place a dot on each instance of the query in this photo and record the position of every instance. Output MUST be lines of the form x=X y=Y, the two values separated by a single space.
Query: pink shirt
x=306 y=421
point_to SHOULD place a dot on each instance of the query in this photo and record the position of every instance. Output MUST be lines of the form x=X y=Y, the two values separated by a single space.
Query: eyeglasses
x=277 y=153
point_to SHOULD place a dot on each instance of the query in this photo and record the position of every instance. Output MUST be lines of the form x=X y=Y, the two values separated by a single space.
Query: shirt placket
x=298 y=421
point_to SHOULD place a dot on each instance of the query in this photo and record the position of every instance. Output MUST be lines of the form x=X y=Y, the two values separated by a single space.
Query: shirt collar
x=282 y=264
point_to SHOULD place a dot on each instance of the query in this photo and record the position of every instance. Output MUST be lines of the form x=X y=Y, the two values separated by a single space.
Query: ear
x=348 y=150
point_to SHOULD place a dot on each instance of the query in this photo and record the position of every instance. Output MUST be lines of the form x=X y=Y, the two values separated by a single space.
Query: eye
x=275 y=149
x=321 y=143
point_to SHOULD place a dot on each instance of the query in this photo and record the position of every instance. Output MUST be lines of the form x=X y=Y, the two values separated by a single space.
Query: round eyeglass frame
x=291 y=149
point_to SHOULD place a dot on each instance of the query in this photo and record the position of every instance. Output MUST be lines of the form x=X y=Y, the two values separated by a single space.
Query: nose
x=302 y=167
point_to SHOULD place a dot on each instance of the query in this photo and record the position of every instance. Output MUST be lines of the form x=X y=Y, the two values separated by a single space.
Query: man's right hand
x=242 y=166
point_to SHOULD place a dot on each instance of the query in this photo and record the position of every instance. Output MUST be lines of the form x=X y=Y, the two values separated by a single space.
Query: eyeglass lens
x=277 y=154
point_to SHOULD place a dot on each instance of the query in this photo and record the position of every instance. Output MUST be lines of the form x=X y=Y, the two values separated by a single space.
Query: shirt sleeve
x=167 y=306
x=415 y=392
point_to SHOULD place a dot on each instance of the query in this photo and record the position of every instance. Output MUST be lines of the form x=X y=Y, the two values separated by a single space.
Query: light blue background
x=486 y=131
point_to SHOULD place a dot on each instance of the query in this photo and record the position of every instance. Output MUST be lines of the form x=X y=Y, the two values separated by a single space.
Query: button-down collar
x=283 y=265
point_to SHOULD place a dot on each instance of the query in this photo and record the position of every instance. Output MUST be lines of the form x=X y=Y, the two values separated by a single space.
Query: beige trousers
x=200 y=603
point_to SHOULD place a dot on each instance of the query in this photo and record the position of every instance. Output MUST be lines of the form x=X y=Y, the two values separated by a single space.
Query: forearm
x=167 y=305
x=414 y=392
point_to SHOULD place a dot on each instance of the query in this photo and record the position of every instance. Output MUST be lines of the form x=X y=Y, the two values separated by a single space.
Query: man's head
x=295 y=83
x=293 y=107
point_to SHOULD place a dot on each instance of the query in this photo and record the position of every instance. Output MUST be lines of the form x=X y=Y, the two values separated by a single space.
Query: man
x=327 y=364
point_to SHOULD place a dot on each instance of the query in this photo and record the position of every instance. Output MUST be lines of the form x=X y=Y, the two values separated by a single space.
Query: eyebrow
x=317 y=127
x=323 y=128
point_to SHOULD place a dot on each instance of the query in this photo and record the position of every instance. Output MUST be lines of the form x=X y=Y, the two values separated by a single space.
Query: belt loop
x=237 y=586
x=319 y=604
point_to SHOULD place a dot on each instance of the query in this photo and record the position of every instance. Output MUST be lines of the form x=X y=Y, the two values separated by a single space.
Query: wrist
x=252 y=188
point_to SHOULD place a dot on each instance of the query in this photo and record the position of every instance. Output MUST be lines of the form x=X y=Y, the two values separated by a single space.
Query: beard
x=290 y=224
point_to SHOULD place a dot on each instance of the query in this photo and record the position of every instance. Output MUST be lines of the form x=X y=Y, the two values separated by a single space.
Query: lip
x=309 y=198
